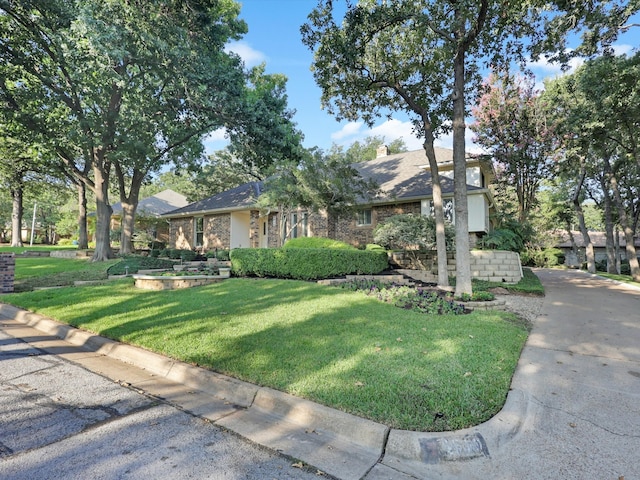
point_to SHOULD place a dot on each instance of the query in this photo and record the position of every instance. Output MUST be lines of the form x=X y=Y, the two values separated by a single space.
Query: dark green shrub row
x=175 y=253
x=306 y=263
x=222 y=255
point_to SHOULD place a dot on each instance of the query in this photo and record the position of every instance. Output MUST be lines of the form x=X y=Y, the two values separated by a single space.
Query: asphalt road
x=60 y=421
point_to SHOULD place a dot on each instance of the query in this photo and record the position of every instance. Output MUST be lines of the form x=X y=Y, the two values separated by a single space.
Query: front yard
x=402 y=368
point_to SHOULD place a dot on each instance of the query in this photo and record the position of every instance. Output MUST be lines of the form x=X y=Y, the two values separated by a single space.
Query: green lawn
x=36 y=248
x=340 y=348
x=34 y=272
x=621 y=278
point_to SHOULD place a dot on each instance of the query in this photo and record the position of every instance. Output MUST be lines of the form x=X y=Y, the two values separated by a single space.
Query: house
x=231 y=219
x=149 y=212
x=599 y=242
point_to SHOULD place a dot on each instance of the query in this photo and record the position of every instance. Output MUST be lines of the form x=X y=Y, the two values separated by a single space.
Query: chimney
x=382 y=151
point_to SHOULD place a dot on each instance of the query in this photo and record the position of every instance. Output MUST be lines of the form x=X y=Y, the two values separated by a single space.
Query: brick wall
x=181 y=233
x=7 y=272
x=346 y=229
x=217 y=231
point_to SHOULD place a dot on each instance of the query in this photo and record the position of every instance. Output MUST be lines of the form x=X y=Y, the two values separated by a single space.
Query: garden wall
x=7 y=272
x=491 y=265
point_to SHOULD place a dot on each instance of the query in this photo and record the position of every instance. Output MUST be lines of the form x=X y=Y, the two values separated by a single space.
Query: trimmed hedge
x=317 y=242
x=306 y=263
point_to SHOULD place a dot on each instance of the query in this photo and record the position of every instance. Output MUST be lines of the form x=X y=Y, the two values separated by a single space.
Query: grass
x=39 y=272
x=36 y=248
x=339 y=348
x=620 y=278
x=529 y=284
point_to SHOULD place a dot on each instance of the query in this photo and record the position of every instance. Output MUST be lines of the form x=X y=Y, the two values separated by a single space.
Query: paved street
x=60 y=421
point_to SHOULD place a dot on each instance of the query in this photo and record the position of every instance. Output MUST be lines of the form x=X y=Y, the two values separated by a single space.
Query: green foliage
x=316 y=242
x=503 y=239
x=222 y=255
x=541 y=257
x=409 y=298
x=408 y=230
x=477 y=297
x=182 y=254
x=306 y=263
x=374 y=247
x=133 y=263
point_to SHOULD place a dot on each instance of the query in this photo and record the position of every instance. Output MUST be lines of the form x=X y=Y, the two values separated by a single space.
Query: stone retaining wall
x=151 y=282
x=7 y=272
x=491 y=265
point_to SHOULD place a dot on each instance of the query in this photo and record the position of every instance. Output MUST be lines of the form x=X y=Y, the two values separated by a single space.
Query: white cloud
x=393 y=129
x=351 y=129
x=249 y=55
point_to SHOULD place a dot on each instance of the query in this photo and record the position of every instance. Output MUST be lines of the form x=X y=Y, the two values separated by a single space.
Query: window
x=299 y=224
x=447 y=205
x=364 y=217
x=199 y=240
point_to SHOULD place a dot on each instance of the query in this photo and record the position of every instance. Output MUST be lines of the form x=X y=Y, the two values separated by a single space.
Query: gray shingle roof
x=157 y=204
x=244 y=196
x=399 y=177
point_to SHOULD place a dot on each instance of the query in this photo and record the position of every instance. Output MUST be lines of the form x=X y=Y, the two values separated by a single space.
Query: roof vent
x=382 y=151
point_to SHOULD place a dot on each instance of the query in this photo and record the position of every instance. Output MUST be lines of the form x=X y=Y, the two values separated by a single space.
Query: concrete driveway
x=579 y=377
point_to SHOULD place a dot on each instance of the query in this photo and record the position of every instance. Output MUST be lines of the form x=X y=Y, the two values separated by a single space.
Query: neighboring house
x=149 y=211
x=599 y=241
x=231 y=219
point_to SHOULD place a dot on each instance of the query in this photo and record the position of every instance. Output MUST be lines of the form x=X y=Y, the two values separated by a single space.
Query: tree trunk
x=441 y=245
x=608 y=227
x=463 y=269
x=17 y=211
x=103 y=215
x=626 y=228
x=129 y=206
x=591 y=260
x=127 y=226
x=83 y=235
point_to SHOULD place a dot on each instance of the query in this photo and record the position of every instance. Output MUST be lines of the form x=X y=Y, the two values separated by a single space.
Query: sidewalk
x=573 y=411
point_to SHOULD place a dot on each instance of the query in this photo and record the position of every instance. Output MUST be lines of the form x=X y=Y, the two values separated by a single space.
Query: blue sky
x=274 y=38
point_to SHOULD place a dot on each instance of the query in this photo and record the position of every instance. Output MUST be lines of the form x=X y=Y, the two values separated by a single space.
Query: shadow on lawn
x=350 y=352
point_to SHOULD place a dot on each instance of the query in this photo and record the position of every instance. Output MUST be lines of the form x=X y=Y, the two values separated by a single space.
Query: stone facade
x=7 y=272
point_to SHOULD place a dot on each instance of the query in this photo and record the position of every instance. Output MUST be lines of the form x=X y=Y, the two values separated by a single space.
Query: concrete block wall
x=491 y=265
x=495 y=266
x=7 y=272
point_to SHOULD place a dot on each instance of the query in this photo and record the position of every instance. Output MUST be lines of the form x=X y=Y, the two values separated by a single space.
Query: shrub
x=374 y=247
x=63 y=242
x=317 y=242
x=306 y=263
x=406 y=297
x=502 y=239
x=537 y=257
x=155 y=253
x=408 y=231
x=137 y=262
x=222 y=255
x=182 y=254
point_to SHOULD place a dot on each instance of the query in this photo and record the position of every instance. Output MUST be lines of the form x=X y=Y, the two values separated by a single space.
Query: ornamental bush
x=306 y=263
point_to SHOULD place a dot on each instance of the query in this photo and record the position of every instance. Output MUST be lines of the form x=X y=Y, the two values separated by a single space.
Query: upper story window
x=364 y=217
